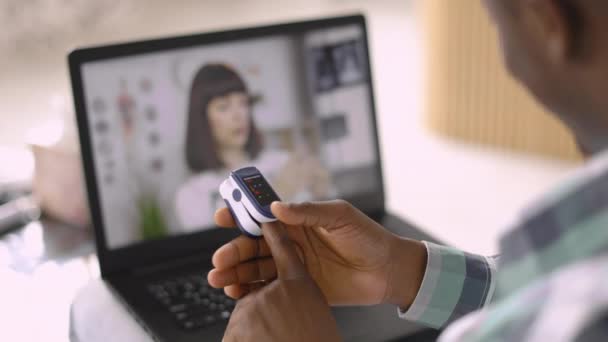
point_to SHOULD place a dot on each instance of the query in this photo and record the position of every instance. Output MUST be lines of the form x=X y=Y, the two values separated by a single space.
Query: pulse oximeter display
x=261 y=190
x=248 y=196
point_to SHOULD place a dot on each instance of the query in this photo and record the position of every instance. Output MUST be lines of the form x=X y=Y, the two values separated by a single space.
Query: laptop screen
x=168 y=126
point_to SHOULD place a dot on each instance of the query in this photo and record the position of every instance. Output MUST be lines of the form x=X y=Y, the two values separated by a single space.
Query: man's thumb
x=310 y=214
x=289 y=265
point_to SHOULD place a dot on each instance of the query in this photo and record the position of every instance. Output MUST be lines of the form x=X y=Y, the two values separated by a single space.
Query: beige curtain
x=470 y=96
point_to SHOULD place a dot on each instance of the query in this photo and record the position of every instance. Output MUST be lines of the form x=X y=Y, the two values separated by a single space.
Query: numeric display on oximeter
x=261 y=190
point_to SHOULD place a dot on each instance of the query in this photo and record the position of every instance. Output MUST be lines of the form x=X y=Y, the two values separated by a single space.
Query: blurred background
x=459 y=139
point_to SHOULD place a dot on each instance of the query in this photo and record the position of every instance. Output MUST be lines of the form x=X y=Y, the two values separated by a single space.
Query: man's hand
x=290 y=308
x=352 y=259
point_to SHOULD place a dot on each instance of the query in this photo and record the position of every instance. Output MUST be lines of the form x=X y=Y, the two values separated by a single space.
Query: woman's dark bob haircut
x=211 y=81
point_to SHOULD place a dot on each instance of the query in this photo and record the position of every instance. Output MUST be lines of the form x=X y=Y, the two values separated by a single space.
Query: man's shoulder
x=576 y=296
x=568 y=304
x=590 y=175
x=582 y=281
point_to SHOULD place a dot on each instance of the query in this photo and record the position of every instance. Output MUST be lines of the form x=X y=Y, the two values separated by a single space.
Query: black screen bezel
x=146 y=253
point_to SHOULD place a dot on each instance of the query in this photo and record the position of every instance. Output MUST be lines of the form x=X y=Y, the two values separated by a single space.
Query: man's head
x=559 y=50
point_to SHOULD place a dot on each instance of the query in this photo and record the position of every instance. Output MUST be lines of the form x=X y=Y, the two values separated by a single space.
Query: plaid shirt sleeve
x=455 y=283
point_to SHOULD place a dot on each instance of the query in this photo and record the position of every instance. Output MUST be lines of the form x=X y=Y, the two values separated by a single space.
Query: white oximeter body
x=248 y=196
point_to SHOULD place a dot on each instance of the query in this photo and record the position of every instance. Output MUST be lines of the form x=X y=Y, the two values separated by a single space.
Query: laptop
x=162 y=122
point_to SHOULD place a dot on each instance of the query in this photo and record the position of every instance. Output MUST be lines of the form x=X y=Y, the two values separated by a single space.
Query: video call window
x=168 y=127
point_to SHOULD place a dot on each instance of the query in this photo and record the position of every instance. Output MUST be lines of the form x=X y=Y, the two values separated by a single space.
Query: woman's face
x=229 y=119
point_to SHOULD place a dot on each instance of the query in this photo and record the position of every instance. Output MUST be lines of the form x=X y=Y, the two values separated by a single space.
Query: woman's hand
x=353 y=260
x=290 y=308
x=319 y=178
x=291 y=178
x=303 y=172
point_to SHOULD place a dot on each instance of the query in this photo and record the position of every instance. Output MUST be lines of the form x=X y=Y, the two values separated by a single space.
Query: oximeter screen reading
x=261 y=190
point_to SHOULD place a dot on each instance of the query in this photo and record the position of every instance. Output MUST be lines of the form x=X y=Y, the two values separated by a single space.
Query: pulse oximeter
x=248 y=196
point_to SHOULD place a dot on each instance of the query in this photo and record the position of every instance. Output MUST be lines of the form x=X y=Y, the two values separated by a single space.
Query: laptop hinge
x=172 y=265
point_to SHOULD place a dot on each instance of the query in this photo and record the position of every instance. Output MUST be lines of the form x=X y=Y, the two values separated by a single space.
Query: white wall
x=30 y=80
x=461 y=194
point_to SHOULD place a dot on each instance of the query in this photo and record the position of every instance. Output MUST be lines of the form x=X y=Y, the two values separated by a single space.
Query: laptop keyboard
x=191 y=301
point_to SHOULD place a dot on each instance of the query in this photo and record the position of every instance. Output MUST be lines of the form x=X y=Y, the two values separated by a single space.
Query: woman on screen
x=222 y=136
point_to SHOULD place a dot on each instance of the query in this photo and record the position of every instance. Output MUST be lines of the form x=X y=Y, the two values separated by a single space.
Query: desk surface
x=42 y=267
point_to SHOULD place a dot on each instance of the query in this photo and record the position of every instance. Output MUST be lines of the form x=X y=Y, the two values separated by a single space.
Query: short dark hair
x=211 y=81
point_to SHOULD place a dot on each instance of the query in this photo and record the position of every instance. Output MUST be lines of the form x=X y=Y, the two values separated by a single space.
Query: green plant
x=152 y=222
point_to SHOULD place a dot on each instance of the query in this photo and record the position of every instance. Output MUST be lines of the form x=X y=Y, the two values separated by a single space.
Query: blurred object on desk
x=41 y=241
x=17 y=206
x=18 y=212
x=58 y=184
